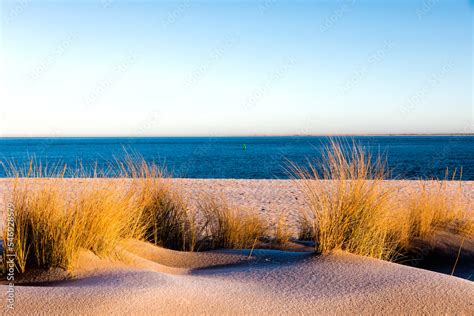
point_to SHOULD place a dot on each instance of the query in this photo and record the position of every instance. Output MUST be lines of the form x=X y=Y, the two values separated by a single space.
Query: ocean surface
x=409 y=157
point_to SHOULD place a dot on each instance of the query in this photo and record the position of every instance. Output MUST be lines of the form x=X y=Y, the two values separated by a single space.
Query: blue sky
x=145 y=68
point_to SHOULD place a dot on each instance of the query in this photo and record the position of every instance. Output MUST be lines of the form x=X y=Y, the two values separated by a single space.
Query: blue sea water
x=409 y=157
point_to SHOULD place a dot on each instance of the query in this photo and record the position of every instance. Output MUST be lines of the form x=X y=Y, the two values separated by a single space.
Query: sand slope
x=155 y=280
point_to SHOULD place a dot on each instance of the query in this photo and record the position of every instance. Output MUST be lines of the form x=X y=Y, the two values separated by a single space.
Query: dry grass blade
x=45 y=235
x=282 y=234
x=107 y=214
x=436 y=209
x=351 y=208
x=307 y=225
x=229 y=227
x=167 y=219
x=52 y=223
x=350 y=212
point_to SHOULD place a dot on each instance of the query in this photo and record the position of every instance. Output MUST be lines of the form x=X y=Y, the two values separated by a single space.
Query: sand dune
x=155 y=280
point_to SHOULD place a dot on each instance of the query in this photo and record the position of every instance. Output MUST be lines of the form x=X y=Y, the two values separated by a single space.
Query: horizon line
x=242 y=135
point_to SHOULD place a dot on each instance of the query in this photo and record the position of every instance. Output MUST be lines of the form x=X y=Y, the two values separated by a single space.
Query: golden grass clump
x=281 y=232
x=228 y=227
x=349 y=212
x=436 y=206
x=45 y=234
x=107 y=214
x=51 y=225
x=165 y=215
x=351 y=209
x=307 y=226
x=53 y=221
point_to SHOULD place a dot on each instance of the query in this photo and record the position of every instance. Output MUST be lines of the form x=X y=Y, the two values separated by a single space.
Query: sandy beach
x=270 y=198
x=147 y=279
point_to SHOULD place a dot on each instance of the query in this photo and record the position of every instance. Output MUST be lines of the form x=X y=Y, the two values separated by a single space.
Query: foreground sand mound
x=154 y=280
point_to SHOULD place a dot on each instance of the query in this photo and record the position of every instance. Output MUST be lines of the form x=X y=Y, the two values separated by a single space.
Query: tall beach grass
x=51 y=225
x=352 y=209
x=55 y=219
x=230 y=227
x=167 y=220
x=348 y=207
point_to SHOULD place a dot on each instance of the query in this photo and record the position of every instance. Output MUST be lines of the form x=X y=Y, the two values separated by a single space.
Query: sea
x=408 y=157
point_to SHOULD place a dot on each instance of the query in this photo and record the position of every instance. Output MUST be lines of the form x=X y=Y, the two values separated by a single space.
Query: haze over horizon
x=192 y=68
x=336 y=136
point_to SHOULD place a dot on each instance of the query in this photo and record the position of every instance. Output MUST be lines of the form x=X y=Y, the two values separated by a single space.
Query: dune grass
x=435 y=207
x=54 y=222
x=166 y=217
x=307 y=225
x=108 y=213
x=228 y=227
x=350 y=208
x=51 y=226
x=281 y=234
x=170 y=223
x=44 y=234
x=350 y=211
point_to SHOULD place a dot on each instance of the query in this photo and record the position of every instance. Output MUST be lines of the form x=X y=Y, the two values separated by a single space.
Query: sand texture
x=228 y=282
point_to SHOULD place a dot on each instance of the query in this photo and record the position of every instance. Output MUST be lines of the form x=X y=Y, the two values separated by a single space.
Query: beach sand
x=228 y=282
x=151 y=280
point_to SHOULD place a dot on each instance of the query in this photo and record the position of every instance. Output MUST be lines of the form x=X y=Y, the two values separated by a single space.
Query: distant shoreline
x=243 y=136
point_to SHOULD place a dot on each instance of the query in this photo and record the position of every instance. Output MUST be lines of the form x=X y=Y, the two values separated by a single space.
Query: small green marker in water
x=244 y=147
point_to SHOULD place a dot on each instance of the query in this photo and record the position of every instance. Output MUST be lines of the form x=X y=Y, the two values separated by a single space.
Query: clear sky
x=145 y=68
